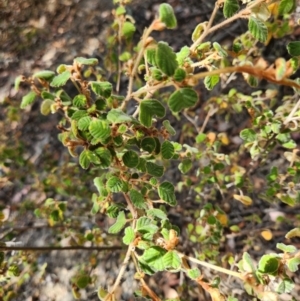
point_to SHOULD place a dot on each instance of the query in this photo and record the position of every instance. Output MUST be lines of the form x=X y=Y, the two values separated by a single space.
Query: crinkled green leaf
x=130 y=159
x=286 y=6
x=211 y=81
x=79 y=100
x=198 y=31
x=85 y=159
x=194 y=273
x=99 y=129
x=182 y=55
x=44 y=74
x=286 y=248
x=172 y=260
x=103 y=89
x=85 y=61
x=28 y=99
x=154 y=169
x=185 y=165
x=167 y=150
x=258 y=29
x=82 y=281
x=154 y=258
x=166 y=193
x=293 y=264
x=150 y=108
x=179 y=75
x=60 y=79
x=128 y=30
x=268 y=264
x=156 y=213
x=182 y=99
x=294 y=48
x=285 y=286
x=46 y=106
x=169 y=128
x=114 y=184
x=221 y=51
x=119 y=224
x=293 y=233
x=137 y=199
x=230 y=8
x=105 y=157
x=118 y=116
x=148 y=144
x=248 y=265
x=128 y=235
x=167 y=16
x=166 y=59
x=151 y=56
x=248 y=135
x=84 y=122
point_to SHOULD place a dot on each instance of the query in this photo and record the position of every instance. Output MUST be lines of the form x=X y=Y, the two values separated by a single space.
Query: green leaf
x=290 y=144
x=148 y=144
x=86 y=157
x=166 y=193
x=99 y=129
x=44 y=74
x=137 y=199
x=85 y=61
x=172 y=260
x=179 y=75
x=293 y=264
x=286 y=248
x=258 y=29
x=293 y=48
x=230 y=8
x=285 y=286
x=83 y=281
x=77 y=115
x=185 y=165
x=28 y=99
x=119 y=224
x=154 y=258
x=166 y=59
x=150 y=108
x=128 y=235
x=169 y=128
x=114 y=184
x=211 y=81
x=182 y=55
x=248 y=265
x=293 y=233
x=248 y=135
x=286 y=6
x=118 y=116
x=198 y=31
x=18 y=80
x=156 y=213
x=151 y=56
x=194 y=273
x=146 y=225
x=84 y=122
x=261 y=12
x=222 y=52
x=268 y=264
x=130 y=159
x=128 y=30
x=182 y=98
x=103 y=89
x=167 y=150
x=64 y=97
x=167 y=16
x=104 y=156
x=46 y=106
x=154 y=169
x=79 y=101
x=60 y=79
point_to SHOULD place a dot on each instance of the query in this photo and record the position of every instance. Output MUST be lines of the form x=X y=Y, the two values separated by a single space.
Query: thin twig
x=37 y=249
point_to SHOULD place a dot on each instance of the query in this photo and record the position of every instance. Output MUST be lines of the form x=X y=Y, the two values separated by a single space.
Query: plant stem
x=213 y=267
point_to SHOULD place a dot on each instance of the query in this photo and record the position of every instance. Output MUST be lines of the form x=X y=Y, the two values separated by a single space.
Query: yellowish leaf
x=266 y=234
x=244 y=199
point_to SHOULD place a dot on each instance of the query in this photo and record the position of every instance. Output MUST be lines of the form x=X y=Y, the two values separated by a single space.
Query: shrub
x=128 y=141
